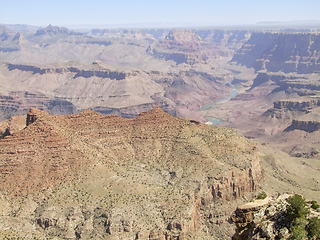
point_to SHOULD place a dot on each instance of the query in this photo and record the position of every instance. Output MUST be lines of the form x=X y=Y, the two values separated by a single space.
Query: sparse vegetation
x=297 y=207
x=262 y=195
x=297 y=212
x=314 y=204
x=313 y=228
x=298 y=232
x=281 y=218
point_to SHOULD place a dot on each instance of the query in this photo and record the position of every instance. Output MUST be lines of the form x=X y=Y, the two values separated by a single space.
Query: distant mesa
x=53 y=30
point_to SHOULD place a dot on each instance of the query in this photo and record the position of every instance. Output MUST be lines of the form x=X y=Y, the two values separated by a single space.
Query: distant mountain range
x=170 y=25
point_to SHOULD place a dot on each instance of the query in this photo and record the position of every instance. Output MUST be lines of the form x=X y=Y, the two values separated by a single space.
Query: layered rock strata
x=287 y=52
x=19 y=102
x=103 y=176
x=73 y=86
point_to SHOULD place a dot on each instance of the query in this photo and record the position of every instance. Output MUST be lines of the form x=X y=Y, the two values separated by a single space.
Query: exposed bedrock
x=287 y=52
x=254 y=48
x=186 y=46
x=299 y=84
x=308 y=126
x=262 y=219
x=79 y=72
x=19 y=103
x=296 y=105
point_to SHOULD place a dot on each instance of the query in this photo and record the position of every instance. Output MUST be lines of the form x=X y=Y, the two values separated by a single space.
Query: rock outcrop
x=106 y=73
x=303 y=111
x=262 y=219
x=254 y=48
x=297 y=105
x=270 y=218
x=308 y=126
x=12 y=125
x=90 y=175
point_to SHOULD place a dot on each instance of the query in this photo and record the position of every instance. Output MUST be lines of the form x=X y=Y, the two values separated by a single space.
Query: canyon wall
x=287 y=52
x=106 y=89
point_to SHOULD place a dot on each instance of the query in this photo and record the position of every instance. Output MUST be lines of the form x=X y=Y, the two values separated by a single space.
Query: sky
x=121 y=12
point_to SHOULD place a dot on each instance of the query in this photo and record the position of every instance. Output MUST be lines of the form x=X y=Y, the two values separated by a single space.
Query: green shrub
x=301 y=222
x=313 y=228
x=298 y=232
x=262 y=195
x=297 y=207
x=314 y=204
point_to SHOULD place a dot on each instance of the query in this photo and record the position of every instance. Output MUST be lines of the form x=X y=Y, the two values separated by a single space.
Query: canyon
x=102 y=131
x=116 y=71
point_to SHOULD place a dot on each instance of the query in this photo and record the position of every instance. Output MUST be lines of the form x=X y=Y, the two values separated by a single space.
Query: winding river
x=216 y=121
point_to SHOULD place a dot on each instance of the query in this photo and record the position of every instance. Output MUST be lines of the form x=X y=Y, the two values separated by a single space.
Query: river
x=216 y=121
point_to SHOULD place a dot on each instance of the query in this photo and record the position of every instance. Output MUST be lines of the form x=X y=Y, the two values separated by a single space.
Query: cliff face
x=305 y=112
x=9 y=40
x=253 y=49
x=181 y=46
x=233 y=39
x=79 y=72
x=308 y=126
x=287 y=52
x=186 y=46
x=298 y=84
x=107 y=89
x=19 y=103
x=297 y=105
x=88 y=175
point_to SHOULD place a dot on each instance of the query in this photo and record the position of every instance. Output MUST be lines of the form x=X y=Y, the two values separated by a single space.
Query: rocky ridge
x=104 y=176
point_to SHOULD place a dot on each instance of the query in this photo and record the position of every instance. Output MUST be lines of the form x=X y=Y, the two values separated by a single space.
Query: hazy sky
x=69 y=12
